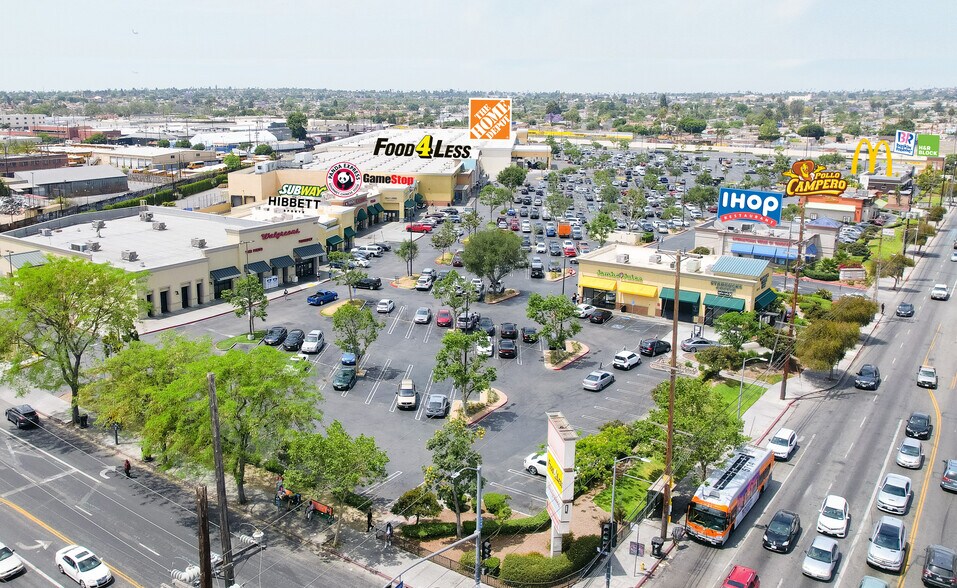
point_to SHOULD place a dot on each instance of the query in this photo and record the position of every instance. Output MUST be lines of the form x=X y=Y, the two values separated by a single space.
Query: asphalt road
x=57 y=489
x=847 y=442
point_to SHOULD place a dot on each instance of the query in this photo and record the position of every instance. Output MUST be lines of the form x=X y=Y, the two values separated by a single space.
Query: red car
x=713 y=208
x=418 y=228
x=742 y=577
x=513 y=224
x=570 y=252
x=443 y=318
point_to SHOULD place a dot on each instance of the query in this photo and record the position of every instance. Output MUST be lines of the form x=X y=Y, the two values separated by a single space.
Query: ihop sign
x=737 y=204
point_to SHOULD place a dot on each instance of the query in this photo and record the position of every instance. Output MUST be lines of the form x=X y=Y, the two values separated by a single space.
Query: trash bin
x=84 y=421
x=656 y=544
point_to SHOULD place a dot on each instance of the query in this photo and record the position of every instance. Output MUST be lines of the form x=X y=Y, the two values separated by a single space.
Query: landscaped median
x=556 y=276
x=574 y=350
x=406 y=282
x=496 y=298
x=330 y=309
x=489 y=401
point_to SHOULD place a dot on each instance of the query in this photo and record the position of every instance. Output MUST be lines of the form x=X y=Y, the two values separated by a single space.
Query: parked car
x=486 y=324
x=940 y=567
x=600 y=316
x=783 y=443
x=783 y=531
x=385 y=306
x=314 y=342
x=696 y=344
x=443 y=318
x=653 y=347
x=894 y=494
x=948 y=479
x=349 y=358
x=919 y=426
x=584 y=310
x=457 y=259
x=418 y=228
x=927 y=377
x=869 y=378
x=406 y=396
x=294 y=340
x=507 y=348
x=598 y=380
x=529 y=334
x=344 y=379
x=23 y=416
x=485 y=347
x=467 y=321
x=536 y=464
x=422 y=315
x=437 y=406
x=10 y=563
x=887 y=544
x=369 y=284
x=741 y=577
x=910 y=454
x=509 y=331
x=821 y=559
x=322 y=297
x=424 y=283
x=625 y=360
x=834 y=516
x=275 y=336
x=82 y=566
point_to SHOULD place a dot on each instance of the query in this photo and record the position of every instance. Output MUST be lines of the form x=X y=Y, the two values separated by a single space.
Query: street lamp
x=478 y=520
x=741 y=387
x=614 y=529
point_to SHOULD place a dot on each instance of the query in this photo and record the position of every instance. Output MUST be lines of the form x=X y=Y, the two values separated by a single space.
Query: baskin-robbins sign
x=490 y=118
x=810 y=179
x=737 y=204
x=905 y=143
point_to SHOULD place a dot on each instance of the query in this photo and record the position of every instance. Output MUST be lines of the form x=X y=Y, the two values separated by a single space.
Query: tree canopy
x=512 y=176
x=248 y=297
x=452 y=452
x=493 y=253
x=296 y=122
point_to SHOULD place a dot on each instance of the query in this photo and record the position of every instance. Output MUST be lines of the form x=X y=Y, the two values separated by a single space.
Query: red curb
x=654 y=566
x=502 y=402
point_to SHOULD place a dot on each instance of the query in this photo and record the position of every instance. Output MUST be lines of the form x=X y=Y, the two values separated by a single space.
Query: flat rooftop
x=651 y=258
x=154 y=249
x=460 y=136
x=381 y=164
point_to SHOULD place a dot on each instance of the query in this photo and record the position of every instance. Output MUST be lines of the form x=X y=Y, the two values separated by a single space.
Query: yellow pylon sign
x=872 y=153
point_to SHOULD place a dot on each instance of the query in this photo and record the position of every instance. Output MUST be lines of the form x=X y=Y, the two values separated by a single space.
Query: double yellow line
x=62 y=537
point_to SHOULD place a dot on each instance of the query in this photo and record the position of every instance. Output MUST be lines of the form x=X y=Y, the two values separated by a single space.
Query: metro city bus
x=722 y=502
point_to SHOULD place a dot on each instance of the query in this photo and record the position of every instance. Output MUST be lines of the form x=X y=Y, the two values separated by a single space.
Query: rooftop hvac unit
x=622 y=258
x=197 y=242
x=158 y=226
x=146 y=216
x=672 y=265
x=98 y=224
x=128 y=255
x=747 y=228
x=692 y=265
x=655 y=258
x=93 y=245
x=82 y=247
x=46 y=232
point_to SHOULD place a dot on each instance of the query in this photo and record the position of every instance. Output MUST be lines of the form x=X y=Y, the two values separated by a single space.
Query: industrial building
x=71 y=182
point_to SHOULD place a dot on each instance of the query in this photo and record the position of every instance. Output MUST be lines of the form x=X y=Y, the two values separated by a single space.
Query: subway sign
x=736 y=204
x=301 y=190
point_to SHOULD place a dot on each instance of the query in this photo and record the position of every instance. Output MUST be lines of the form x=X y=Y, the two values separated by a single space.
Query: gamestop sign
x=764 y=207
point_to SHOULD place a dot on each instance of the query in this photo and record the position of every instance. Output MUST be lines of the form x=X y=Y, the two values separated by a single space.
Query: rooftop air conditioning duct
x=146 y=216
x=622 y=258
x=82 y=247
x=46 y=232
x=99 y=224
x=197 y=242
x=128 y=255
x=158 y=226
x=655 y=258
x=93 y=245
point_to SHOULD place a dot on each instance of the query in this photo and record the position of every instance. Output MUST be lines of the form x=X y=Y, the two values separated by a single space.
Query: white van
x=367 y=250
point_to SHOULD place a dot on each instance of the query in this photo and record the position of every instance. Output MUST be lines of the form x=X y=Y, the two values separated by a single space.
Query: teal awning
x=311 y=250
x=410 y=203
x=362 y=215
x=226 y=273
x=683 y=296
x=419 y=198
x=764 y=299
x=257 y=267
x=281 y=262
x=376 y=209
x=726 y=302
x=349 y=232
x=333 y=241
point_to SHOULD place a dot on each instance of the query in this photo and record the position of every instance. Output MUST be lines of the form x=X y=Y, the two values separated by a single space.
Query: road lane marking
x=923 y=491
x=37 y=570
x=86 y=512
x=849 y=450
x=378 y=381
x=931 y=346
x=51 y=456
x=862 y=422
x=150 y=550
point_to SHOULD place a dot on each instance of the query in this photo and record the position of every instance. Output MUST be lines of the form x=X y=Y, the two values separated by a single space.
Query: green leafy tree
x=455 y=292
x=902 y=124
x=823 y=343
x=407 y=251
x=736 y=328
x=811 y=130
x=494 y=196
x=893 y=267
x=458 y=361
x=162 y=143
x=182 y=144
x=919 y=234
x=232 y=162
x=704 y=179
x=929 y=180
x=444 y=238
x=452 y=451
x=936 y=213
x=471 y=221
x=356 y=328
x=853 y=309
x=600 y=227
x=95 y=139
x=557 y=203
x=4 y=190
x=635 y=202
x=512 y=176
x=690 y=124
x=609 y=194
x=262 y=149
x=715 y=359
x=701 y=196
x=345 y=275
x=249 y=298
x=417 y=502
x=53 y=315
x=768 y=131
x=552 y=313
x=790 y=211
x=336 y=463
x=199 y=147
x=712 y=429
x=296 y=122
x=492 y=254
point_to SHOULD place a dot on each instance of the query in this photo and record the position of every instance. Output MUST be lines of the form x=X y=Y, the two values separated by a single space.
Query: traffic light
x=486 y=549
x=605 y=536
x=614 y=534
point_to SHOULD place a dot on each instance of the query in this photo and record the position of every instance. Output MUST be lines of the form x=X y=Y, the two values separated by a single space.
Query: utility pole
x=205 y=565
x=877 y=266
x=666 y=504
x=794 y=301
x=228 y=575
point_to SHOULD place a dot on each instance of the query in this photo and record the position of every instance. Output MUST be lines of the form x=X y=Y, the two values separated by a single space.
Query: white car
x=584 y=310
x=598 y=380
x=910 y=454
x=360 y=261
x=385 y=306
x=313 y=343
x=568 y=244
x=536 y=464
x=424 y=283
x=625 y=360
x=940 y=292
x=82 y=566
x=834 y=516
x=894 y=494
x=10 y=563
x=526 y=227
x=887 y=544
x=782 y=444
x=953 y=256
x=540 y=247
x=485 y=348
x=821 y=558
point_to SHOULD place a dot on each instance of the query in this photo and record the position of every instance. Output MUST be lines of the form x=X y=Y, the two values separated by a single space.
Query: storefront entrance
x=599 y=298
x=688 y=304
x=221 y=286
x=306 y=268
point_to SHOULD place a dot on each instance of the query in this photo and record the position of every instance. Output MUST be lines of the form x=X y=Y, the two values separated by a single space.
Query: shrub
x=647 y=237
x=701 y=250
x=535 y=568
x=434 y=530
x=197 y=187
x=497 y=505
x=824 y=276
x=491 y=565
x=825 y=294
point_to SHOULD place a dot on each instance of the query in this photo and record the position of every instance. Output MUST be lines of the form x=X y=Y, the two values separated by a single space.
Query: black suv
x=940 y=566
x=653 y=347
x=23 y=416
x=369 y=283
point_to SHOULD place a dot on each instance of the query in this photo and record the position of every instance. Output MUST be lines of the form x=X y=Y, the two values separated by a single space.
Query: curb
x=568 y=361
x=655 y=565
x=502 y=401
x=504 y=298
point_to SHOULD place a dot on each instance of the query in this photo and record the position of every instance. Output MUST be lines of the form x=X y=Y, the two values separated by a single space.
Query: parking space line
x=524 y=474
x=518 y=354
x=408 y=332
x=421 y=407
x=395 y=321
x=378 y=381
x=517 y=491
x=632 y=415
x=428 y=332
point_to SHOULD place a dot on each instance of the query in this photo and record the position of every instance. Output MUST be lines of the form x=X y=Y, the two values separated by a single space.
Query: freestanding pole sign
x=560 y=476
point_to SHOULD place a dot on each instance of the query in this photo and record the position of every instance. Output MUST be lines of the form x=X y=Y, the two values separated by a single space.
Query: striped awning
x=597 y=283
x=638 y=289
x=257 y=267
x=226 y=273
x=684 y=296
x=764 y=299
x=362 y=215
x=726 y=302
x=742 y=248
x=284 y=261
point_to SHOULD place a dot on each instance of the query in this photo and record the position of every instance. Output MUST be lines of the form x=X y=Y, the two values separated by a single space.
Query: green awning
x=409 y=203
x=310 y=250
x=257 y=267
x=684 y=296
x=281 y=262
x=361 y=215
x=723 y=302
x=226 y=273
x=419 y=198
x=764 y=299
x=349 y=232
x=333 y=241
x=376 y=209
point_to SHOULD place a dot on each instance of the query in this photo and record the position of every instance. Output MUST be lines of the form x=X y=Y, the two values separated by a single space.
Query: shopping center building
x=641 y=280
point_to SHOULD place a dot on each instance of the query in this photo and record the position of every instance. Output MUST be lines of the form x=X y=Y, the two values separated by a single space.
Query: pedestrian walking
x=126 y=468
x=369 y=520
x=285 y=294
x=388 y=534
x=882 y=308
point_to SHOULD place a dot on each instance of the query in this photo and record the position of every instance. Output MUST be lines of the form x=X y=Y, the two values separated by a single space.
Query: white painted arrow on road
x=39 y=545
x=105 y=471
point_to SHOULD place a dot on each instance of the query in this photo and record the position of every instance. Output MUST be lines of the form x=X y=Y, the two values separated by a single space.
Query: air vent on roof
x=46 y=232
x=692 y=265
x=655 y=258
x=93 y=245
x=622 y=258
x=158 y=226
x=79 y=246
x=128 y=255
x=146 y=216
x=98 y=224
x=672 y=265
x=197 y=242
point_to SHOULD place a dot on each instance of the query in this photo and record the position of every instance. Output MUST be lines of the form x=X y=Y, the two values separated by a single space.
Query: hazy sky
x=486 y=46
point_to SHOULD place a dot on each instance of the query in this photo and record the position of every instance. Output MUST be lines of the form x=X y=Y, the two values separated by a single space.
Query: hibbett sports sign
x=490 y=118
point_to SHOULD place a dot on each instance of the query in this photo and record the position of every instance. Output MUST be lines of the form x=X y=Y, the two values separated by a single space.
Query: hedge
x=435 y=530
x=535 y=568
x=821 y=275
x=155 y=199
x=467 y=561
x=197 y=187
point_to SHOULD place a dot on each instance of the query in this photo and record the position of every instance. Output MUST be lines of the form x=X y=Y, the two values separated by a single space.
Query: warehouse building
x=72 y=182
